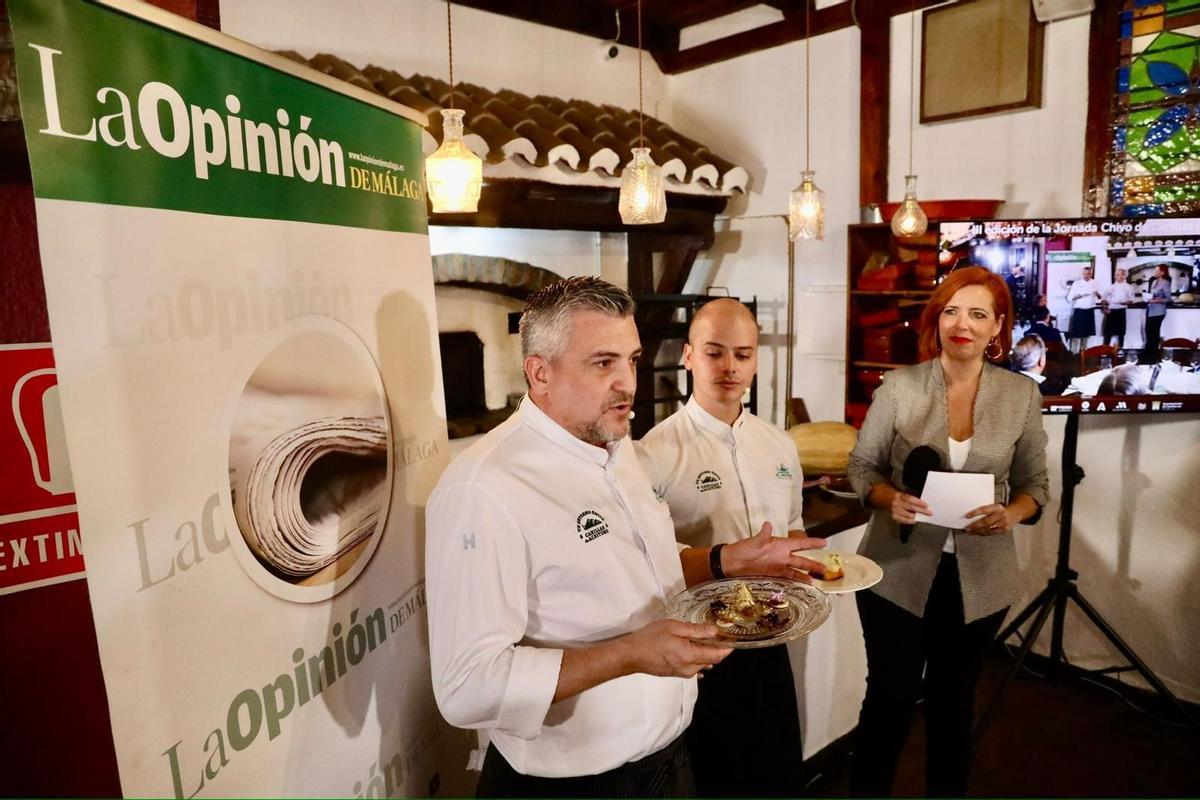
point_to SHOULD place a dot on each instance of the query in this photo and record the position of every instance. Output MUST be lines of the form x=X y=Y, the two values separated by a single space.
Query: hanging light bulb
x=806 y=203
x=643 y=199
x=453 y=174
x=806 y=210
x=909 y=219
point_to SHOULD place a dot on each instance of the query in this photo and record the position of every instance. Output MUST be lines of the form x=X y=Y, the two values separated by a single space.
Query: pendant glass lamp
x=806 y=203
x=910 y=219
x=806 y=209
x=643 y=199
x=453 y=174
x=643 y=195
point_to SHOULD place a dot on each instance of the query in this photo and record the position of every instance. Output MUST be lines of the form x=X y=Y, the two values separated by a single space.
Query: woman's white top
x=958 y=457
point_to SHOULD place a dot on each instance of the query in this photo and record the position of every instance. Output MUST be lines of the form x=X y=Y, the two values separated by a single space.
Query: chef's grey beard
x=601 y=436
x=598 y=434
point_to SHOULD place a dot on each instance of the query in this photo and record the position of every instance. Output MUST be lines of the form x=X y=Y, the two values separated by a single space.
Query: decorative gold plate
x=798 y=609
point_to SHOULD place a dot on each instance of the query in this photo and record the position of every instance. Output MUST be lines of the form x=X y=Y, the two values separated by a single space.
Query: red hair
x=928 y=344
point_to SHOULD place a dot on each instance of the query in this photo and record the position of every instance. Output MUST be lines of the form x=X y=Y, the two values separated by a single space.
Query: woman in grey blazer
x=944 y=593
x=1156 y=309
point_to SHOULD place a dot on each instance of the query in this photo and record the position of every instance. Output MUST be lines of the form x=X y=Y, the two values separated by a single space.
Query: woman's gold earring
x=999 y=350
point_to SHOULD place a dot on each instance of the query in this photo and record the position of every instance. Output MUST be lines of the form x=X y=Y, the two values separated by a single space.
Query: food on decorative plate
x=745 y=614
x=833 y=568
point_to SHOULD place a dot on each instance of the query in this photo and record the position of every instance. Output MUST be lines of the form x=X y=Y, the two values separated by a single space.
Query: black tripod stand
x=1054 y=597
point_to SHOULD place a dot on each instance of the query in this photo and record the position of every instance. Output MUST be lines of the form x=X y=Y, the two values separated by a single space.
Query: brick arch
x=502 y=275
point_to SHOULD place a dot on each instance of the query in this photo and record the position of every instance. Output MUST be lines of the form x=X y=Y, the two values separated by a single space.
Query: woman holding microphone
x=945 y=592
x=1156 y=309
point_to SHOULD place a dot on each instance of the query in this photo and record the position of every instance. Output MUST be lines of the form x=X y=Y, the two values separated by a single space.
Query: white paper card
x=950 y=495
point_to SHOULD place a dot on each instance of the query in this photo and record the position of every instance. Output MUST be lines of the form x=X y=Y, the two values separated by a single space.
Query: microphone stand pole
x=1053 y=599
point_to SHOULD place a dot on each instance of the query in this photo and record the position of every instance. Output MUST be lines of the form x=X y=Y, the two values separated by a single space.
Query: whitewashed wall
x=1033 y=158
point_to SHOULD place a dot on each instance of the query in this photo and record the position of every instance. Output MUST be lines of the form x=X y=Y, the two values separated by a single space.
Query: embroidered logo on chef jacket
x=590 y=525
x=783 y=471
x=707 y=481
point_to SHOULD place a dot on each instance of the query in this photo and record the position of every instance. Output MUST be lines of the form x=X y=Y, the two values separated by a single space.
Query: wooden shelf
x=873 y=245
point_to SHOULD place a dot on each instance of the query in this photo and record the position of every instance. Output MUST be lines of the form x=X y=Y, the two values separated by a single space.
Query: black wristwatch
x=714 y=561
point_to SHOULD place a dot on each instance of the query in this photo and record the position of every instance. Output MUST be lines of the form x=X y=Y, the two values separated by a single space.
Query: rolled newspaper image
x=315 y=492
x=309 y=459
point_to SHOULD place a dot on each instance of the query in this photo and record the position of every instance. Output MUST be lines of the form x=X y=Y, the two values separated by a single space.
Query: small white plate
x=860 y=573
x=844 y=494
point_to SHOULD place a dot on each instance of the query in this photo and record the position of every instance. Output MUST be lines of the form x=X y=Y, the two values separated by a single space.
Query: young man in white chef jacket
x=726 y=474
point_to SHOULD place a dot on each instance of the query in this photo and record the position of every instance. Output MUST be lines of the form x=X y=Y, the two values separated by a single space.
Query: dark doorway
x=462 y=374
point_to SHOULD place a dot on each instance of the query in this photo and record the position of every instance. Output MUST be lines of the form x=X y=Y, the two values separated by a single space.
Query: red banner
x=39 y=531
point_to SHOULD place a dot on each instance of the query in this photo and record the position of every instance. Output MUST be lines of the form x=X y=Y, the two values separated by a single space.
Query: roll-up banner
x=241 y=305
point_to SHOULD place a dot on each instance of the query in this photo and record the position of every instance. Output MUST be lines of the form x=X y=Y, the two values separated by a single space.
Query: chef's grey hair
x=546 y=320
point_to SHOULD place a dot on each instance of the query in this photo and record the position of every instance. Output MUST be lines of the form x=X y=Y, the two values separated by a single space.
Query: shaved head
x=720 y=315
x=722 y=353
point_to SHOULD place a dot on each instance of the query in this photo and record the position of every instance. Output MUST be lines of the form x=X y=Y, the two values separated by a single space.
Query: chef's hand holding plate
x=673 y=649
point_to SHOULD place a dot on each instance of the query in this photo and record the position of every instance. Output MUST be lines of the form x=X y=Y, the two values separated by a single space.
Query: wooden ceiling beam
x=589 y=20
x=790 y=29
x=825 y=20
x=699 y=11
x=538 y=205
x=790 y=6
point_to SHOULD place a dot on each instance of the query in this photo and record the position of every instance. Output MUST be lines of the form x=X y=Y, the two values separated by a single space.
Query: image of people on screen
x=1083 y=296
x=1116 y=299
x=1094 y=312
x=1029 y=357
x=1125 y=379
x=1040 y=326
x=1156 y=306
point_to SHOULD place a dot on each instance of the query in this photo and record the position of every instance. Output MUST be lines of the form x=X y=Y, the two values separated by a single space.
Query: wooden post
x=874 y=96
x=1103 y=60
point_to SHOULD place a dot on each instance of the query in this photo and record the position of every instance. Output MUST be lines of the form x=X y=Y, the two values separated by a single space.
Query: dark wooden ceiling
x=662 y=20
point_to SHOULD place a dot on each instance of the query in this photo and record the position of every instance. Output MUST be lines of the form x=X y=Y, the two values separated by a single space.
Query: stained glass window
x=1154 y=164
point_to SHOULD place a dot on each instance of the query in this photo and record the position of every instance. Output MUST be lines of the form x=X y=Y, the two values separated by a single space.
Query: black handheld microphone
x=920 y=462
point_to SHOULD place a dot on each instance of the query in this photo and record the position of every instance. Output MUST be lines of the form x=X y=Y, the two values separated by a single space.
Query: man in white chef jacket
x=726 y=474
x=549 y=561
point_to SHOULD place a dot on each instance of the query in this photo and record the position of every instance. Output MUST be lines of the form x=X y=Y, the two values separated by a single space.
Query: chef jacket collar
x=713 y=425
x=537 y=419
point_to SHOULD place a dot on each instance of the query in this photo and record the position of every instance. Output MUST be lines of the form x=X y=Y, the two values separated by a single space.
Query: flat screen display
x=1106 y=317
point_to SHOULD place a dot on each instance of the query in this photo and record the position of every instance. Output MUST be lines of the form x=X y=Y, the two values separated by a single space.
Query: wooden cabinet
x=890 y=280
